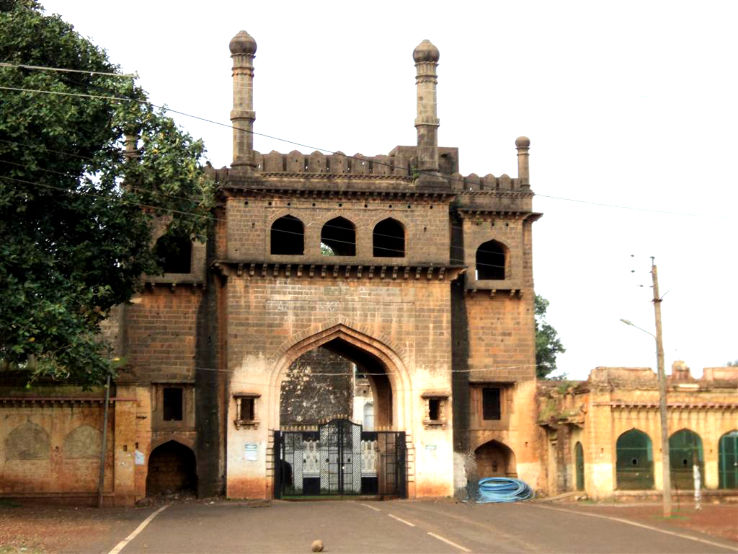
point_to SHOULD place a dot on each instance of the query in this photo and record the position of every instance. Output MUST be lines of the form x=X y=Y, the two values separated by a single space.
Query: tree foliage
x=76 y=213
x=548 y=345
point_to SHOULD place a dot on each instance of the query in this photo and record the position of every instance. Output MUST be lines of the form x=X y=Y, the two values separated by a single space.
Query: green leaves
x=74 y=239
x=548 y=344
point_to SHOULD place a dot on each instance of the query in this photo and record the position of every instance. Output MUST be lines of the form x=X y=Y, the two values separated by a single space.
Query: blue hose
x=502 y=489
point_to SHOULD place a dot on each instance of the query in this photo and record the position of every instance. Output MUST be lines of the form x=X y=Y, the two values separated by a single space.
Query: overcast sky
x=631 y=108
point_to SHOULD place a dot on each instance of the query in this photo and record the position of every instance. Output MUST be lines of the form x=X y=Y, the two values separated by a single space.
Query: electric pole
x=665 y=464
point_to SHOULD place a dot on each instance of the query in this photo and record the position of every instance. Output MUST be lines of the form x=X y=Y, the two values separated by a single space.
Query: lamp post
x=665 y=465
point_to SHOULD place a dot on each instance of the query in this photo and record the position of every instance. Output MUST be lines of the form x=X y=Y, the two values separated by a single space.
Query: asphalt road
x=402 y=526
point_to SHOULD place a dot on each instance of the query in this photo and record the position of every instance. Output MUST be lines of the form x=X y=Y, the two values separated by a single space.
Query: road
x=402 y=526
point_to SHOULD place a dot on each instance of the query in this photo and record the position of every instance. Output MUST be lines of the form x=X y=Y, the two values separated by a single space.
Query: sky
x=631 y=108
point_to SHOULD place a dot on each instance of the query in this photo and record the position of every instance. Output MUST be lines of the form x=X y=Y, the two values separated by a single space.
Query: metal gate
x=339 y=459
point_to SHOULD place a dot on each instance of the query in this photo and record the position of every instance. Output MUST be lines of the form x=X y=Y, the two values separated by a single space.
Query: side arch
x=634 y=462
x=728 y=460
x=287 y=236
x=82 y=442
x=172 y=468
x=28 y=442
x=389 y=239
x=492 y=260
x=495 y=459
x=685 y=450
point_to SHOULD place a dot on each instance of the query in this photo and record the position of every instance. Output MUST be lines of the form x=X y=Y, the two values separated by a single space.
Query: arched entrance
x=172 y=469
x=685 y=450
x=728 y=461
x=634 y=463
x=379 y=363
x=329 y=453
x=320 y=385
x=494 y=459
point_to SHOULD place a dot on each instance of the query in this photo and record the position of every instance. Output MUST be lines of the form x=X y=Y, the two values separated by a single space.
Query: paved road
x=402 y=526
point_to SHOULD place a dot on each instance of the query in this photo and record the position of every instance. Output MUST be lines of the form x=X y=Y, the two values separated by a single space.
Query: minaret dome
x=426 y=52
x=243 y=43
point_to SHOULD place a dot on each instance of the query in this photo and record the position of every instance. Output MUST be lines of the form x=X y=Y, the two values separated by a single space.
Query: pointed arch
x=28 y=442
x=287 y=236
x=634 y=462
x=172 y=468
x=579 y=465
x=495 y=459
x=388 y=239
x=685 y=450
x=492 y=261
x=728 y=460
x=174 y=253
x=360 y=348
x=339 y=235
x=82 y=442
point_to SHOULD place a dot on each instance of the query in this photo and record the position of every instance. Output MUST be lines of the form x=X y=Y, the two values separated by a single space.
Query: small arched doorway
x=172 y=469
x=494 y=459
x=579 y=465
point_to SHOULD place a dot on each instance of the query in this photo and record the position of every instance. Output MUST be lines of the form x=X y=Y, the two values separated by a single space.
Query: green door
x=728 y=461
x=579 y=461
x=634 y=465
x=685 y=449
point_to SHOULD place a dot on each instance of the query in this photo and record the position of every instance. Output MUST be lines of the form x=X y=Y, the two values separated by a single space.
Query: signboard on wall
x=252 y=452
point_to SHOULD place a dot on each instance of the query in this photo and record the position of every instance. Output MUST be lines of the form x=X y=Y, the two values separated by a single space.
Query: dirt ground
x=718 y=520
x=43 y=528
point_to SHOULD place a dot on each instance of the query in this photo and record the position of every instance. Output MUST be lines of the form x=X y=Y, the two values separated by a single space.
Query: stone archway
x=387 y=374
x=495 y=459
x=172 y=469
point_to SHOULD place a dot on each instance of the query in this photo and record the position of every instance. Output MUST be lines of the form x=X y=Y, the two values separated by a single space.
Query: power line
x=450 y=178
x=213 y=218
x=68 y=70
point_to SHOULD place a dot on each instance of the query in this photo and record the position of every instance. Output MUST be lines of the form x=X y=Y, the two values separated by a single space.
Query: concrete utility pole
x=665 y=465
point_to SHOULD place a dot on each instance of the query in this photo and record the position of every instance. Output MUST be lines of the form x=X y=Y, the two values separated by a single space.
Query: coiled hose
x=502 y=489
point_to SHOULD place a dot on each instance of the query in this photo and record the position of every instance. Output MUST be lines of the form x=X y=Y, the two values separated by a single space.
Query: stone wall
x=616 y=400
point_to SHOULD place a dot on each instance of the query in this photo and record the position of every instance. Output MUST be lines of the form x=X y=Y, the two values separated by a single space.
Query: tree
x=733 y=363
x=76 y=212
x=548 y=344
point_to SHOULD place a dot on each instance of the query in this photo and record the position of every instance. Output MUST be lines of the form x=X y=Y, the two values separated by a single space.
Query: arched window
x=389 y=239
x=491 y=260
x=174 y=253
x=287 y=236
x=685 y=450
x=634 y=466
x=339 y=235
x=579 y=463
x=728 y=461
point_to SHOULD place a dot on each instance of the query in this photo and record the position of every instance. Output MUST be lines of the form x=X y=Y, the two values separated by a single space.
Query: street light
x=665 y=465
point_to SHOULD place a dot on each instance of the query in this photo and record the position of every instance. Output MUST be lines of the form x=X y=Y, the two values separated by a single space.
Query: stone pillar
x=426 y=60
x=124 y=446
x=243 y=50
x=523 y=144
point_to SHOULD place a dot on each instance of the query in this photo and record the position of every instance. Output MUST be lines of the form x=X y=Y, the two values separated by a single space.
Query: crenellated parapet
x=337 y=164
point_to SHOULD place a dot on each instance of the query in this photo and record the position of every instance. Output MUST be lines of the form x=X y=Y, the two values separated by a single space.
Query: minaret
x=523 y=144
x=426 y=60
x=243 y=49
